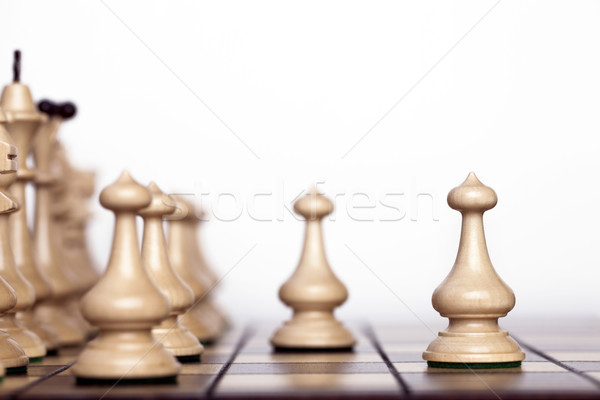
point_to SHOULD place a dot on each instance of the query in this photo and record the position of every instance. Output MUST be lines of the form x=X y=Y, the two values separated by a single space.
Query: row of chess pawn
x=140 y=338
x=43 y=276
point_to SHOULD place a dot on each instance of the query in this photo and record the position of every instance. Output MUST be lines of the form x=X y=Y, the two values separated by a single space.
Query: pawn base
x=177 y=339
x=29 y=341
x=474 y=348
x=201 y=322
x=125 y=355
x=320 y=333
x=12 y=355
x=67 y=331
x=44 y=332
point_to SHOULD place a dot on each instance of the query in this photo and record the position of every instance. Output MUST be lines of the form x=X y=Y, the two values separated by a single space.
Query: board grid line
x=248 y=332
x=372 y=336
x=557 y=362
x=21 y=390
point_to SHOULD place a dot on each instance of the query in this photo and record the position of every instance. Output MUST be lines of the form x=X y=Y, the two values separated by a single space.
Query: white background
x=269 y=96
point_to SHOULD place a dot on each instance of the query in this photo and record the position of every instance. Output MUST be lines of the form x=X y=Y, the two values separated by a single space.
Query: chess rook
x=313 y=291
x=473 y=296
x=125 y=303
x=175 y=337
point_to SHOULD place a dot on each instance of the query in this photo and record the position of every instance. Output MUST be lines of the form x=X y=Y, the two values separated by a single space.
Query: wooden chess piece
x=18 y=103
x=174 y=336
x=51 y=311
x=12 y=355
x=125 y=303
x=199 y=319
x=29 y=341
x=68 y=208
x=313 y=291
x=473 y=296
x=208 y=308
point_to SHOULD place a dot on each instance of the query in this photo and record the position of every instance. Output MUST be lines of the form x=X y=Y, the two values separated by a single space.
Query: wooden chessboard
x=563 y=360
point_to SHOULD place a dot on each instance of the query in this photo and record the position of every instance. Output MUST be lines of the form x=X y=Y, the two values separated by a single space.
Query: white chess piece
x=313 y=291
x=473 y=296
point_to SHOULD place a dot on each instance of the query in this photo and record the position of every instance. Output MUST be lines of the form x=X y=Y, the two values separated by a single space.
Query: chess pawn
x=313 y=291
x=175 y=337
x=52 y=311
x=24 y=120
x=208 y=307
x=199 y=319
x=125 y=303
x=29 y=341
x=12 y=355
x=473 y=296
x=67 y=205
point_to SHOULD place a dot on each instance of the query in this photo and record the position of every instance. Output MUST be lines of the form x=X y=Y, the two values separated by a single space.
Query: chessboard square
x=409 y=347
x=309 y=368
x=595 y=375
x=12 y=383
x=61 y=387
x=42 y=370
x=283 y=384
x=214 y=358
x=584 y=366
x=570 y=355
x=219 y=349
x=499 y=382
x=200 y=369
x=303 y=357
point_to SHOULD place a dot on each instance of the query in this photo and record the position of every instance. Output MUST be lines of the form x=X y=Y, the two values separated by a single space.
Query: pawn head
x=162 y=204
x=472 y=195
x=125 y=195
x=313 y=206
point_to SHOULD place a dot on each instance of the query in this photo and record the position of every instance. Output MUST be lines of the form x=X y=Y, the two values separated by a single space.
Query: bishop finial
x=17 y=66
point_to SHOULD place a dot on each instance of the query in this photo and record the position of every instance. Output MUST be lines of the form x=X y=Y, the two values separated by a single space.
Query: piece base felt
x=189 y=359
x=16 y=370
x=126 y=382
x=509 y=364
x=36 y=359
x=51 y=352
x=279 y=349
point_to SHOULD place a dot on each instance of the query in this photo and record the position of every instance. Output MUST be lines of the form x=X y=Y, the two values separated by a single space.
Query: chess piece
x=473 y=296
x=200 y=319
x=12 y=355
x=313 y=291
x=70 y=213
x=125 y=303
x=29 y=341
x=208 y=307
x=175 y=337
x=52 y=310
x=24 y=120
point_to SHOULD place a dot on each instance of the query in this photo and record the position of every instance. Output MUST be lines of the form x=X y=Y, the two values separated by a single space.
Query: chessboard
x=562 y=361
